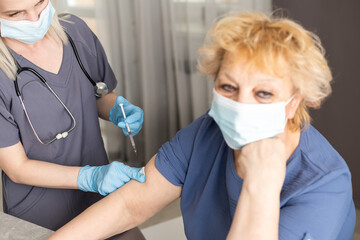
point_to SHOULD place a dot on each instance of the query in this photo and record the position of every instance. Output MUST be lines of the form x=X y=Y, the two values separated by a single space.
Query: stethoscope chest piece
x=101 y=89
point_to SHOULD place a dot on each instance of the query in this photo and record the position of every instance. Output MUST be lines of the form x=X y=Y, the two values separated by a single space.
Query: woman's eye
x=228 y=88
x=40 y=2
x=264 y=94
x=13 y=14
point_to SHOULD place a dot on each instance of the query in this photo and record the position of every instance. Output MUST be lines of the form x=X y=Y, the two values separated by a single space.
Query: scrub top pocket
x=46 y=113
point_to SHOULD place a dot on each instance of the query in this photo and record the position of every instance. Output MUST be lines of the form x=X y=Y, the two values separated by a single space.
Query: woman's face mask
x=248 y=104
x=28 y=31
x=242 y=123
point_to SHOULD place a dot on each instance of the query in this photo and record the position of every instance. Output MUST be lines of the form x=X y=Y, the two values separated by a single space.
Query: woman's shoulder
x=76 y=27
x=317 y=150
x=200 y=126
x=70 y=21
x=192 y=142
x=192 y=136
x=80 y=32
x=202 y=133
x=314 y=164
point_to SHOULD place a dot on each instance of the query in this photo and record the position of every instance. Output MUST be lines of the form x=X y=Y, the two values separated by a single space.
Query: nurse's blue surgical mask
x=28 y=31
x=242 y=123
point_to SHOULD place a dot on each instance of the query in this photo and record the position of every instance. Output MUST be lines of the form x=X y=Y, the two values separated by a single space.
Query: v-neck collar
x=59 y=79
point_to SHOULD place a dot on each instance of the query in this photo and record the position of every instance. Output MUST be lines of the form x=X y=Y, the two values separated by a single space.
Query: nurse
x=252 y=167
x=55 y=81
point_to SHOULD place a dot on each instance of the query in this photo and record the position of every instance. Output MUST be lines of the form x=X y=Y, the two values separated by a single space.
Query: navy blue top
x=52 y=208
x=316 y=198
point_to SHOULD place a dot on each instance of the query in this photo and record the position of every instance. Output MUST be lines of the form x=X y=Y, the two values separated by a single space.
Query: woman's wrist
x=257 y=186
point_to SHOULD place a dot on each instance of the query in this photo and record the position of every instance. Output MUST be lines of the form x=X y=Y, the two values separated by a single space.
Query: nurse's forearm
x=50 y=175
x=20 y=169
x=105 y=104
x=257 y=213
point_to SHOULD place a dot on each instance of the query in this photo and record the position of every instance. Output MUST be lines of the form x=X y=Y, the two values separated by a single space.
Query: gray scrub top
x=52 y=208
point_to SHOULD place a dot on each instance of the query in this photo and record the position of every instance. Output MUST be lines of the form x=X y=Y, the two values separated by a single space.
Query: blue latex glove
x=134 y=116
x=106 y=179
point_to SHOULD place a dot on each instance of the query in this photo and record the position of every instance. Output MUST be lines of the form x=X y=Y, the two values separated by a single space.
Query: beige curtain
x=152 y=46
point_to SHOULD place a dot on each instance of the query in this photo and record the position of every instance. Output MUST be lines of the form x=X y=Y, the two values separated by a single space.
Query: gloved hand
x=134 y=116
x=106 y=179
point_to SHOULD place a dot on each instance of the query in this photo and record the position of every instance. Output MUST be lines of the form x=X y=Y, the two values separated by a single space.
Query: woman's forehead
x=9 y=5
x=233 y=64
x=239 y=69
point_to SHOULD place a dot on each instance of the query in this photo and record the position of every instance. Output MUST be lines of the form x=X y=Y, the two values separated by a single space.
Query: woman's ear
x=292 y=106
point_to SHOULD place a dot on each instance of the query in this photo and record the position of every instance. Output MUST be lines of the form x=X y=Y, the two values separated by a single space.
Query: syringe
x=128 y=129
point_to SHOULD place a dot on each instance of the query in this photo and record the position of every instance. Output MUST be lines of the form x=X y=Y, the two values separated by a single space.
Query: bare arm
x=105 y=104
x=124 y=209
x=20 y=169
x=262 y=165
x=257 y=213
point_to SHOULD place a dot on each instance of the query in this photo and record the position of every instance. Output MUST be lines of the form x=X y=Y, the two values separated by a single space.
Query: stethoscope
x=101 y=90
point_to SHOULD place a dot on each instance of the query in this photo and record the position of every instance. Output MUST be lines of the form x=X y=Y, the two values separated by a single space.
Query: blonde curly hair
x=273 y=45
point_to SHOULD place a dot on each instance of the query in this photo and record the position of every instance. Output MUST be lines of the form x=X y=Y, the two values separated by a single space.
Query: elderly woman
x=252 y=167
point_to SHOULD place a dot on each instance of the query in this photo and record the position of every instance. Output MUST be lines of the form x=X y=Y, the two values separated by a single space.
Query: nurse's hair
x=276 y=46
x=7 y=63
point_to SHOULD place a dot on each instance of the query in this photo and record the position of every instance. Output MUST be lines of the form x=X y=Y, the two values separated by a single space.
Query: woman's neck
x=291 y=140
x=45 y=53
x=20 y=47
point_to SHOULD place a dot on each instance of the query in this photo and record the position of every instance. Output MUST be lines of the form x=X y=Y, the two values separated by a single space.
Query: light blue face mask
x=242 y=123
x=28 y=31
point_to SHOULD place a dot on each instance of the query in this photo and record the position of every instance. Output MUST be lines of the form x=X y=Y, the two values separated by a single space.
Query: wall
x=338 y=25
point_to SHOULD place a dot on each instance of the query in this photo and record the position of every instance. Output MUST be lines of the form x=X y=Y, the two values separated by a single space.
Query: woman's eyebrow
x=19 y=10
x=228 y=76
x=39 y=2
x=12 y=11
x=261 y=79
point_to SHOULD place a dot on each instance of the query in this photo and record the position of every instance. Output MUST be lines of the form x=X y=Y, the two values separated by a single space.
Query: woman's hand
x=262 y=165
x=106 y=179
x=262 y=162
x=134 y=116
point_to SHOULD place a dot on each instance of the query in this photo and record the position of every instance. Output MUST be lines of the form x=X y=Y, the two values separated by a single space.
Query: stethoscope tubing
x=22 y=69
x=43 y=80
x=79 y=60
x=58 y=136
x=100 y=90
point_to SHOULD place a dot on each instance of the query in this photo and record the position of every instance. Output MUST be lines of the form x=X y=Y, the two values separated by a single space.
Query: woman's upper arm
x=11 y=150
x=123 y=209
x=9 y=132
x=11 y=158
x=104 y=105
x=146 y=199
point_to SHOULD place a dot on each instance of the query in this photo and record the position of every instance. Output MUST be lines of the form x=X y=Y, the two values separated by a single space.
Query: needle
x=128 y=129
